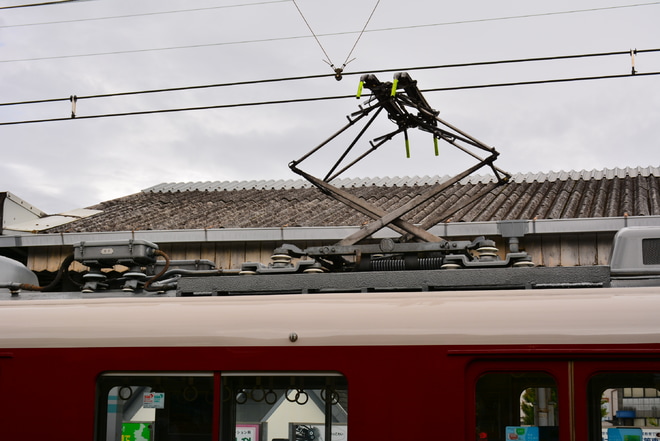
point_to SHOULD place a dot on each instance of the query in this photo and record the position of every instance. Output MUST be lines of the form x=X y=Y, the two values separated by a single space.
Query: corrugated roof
x=397 y=181
x=276 y=203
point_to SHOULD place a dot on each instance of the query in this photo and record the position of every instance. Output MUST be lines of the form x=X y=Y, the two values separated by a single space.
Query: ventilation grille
x=651 y=251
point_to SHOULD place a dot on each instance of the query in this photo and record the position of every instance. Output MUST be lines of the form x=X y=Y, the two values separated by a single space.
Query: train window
x=155 y=407
x=284 y=407
x=620 y=401
x=518 y=406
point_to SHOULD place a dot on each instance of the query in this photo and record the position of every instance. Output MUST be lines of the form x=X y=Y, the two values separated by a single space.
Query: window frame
x=104 y=386
x=558 y=370
x=586 y=370
x=219 y=431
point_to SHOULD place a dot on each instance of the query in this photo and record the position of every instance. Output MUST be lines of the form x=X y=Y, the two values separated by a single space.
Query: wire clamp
x=338 y=70
x=633 y=52
x=74 y=100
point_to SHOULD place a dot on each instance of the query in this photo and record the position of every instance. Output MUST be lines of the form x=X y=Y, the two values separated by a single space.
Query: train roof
x=553 y=316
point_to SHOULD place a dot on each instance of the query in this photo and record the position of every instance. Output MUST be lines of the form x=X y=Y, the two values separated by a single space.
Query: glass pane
x=155 y=408
x=284 y=407
x=517 y=406
x=619 y=402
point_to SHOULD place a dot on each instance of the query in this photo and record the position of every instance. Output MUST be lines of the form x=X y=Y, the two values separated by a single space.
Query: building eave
x=293 y=234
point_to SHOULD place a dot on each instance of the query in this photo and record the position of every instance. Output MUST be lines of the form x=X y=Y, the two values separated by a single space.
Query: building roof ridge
x=402 y=181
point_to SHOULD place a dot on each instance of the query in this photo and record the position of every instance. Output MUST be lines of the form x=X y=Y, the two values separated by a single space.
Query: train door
x=519 y=400
x=619 y=399
x=582 y=398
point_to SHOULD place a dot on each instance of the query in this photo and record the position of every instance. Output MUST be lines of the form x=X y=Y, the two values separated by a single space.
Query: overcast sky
x=107 y=46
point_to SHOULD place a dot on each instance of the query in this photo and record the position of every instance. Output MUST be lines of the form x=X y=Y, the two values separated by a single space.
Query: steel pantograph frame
x=408 y=109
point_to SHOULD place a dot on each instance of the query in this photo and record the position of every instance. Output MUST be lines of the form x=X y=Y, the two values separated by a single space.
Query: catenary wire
x=516 y=17
x=329 y=60
x=312 y=32
x=143 y=14
x=326 y=98
x=331 y=34
x=30 y=5
x=364 y=28
x=513 y=61
x=112 y=17
x=308 y=77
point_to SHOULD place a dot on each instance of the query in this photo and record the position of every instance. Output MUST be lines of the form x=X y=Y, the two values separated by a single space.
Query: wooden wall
x=569 y=249
x=546 y=250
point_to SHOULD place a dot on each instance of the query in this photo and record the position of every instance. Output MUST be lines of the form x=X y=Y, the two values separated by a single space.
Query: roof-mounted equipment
x=405 y=106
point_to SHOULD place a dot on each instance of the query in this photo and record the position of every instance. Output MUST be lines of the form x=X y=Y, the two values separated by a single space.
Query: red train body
x=408 y=365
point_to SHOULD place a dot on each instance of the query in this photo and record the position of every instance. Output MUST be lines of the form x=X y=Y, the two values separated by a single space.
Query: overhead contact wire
x=532 y=82
x=172 y=89
x=326 y=98
x=308 y=77
x=508 y=61
x=184 y=109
